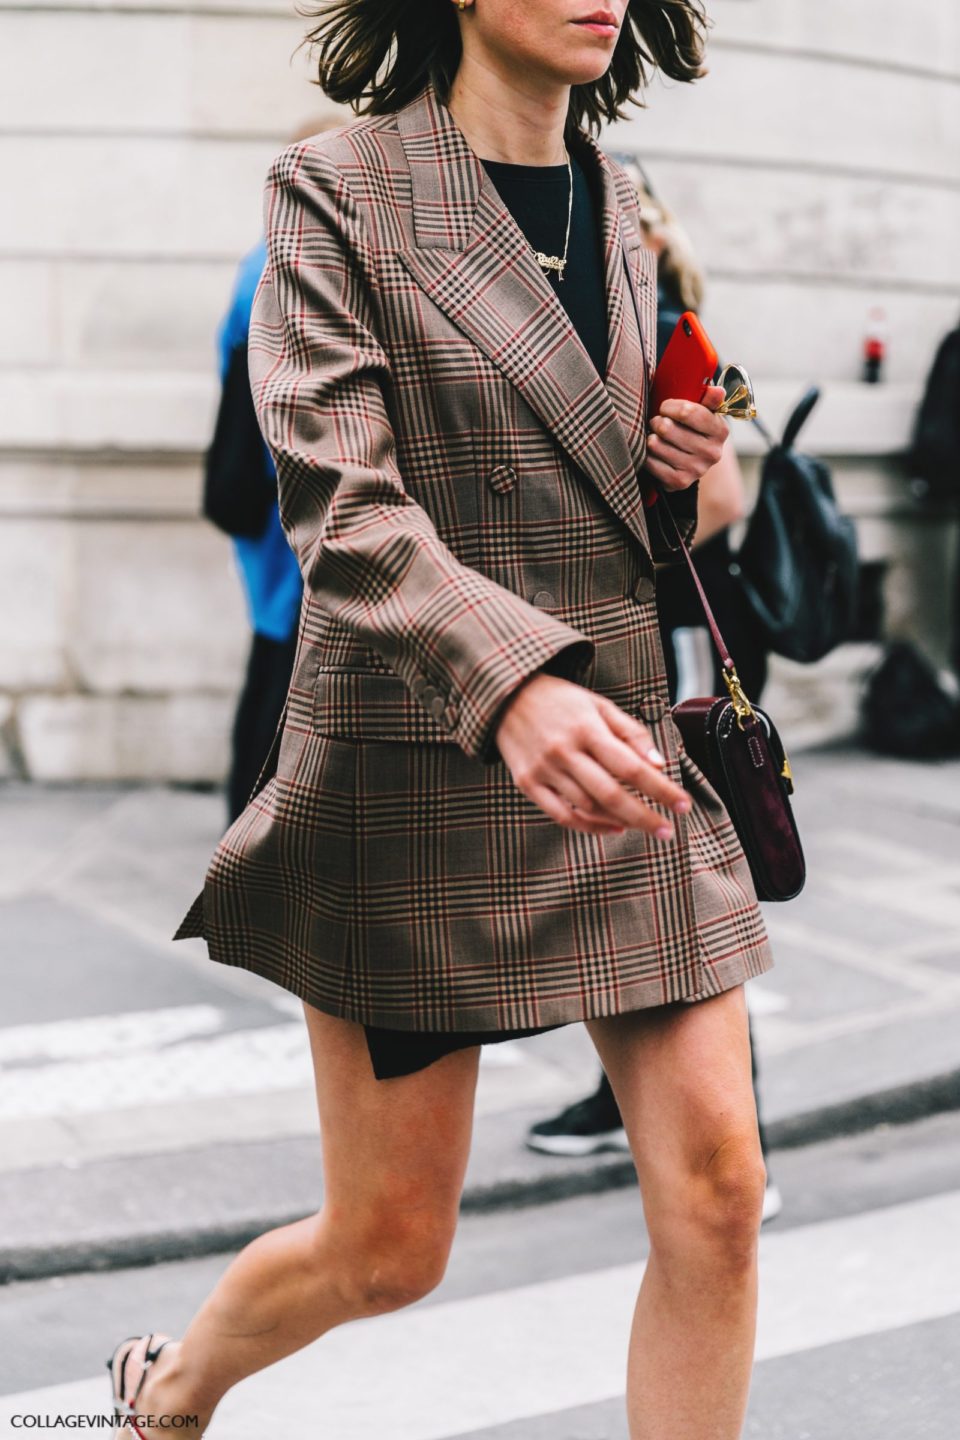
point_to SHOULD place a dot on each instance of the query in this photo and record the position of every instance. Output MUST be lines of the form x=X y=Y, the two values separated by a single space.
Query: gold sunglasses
x=738 y=400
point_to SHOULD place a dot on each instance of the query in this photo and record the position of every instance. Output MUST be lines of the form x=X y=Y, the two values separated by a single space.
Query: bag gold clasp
x=738 y=696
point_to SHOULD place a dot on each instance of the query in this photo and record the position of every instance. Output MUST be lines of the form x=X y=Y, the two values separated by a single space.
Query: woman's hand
x=580 y=757
x=686 y=440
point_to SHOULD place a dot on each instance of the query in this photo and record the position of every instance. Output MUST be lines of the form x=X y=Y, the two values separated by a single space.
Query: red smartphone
x=686 y=367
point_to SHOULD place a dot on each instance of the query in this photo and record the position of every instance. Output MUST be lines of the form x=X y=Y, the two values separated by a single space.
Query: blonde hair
x=677 y=262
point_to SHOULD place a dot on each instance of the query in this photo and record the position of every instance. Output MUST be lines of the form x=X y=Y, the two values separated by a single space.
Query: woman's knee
x=386 y=1257
x=735 y=1179
x=713 y=1209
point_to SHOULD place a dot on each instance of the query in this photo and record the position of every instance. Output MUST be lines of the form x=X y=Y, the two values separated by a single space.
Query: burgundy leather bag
x=746 y=765
x=737 y=747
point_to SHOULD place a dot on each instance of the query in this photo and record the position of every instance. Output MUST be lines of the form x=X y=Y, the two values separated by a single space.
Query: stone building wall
x=817 y=169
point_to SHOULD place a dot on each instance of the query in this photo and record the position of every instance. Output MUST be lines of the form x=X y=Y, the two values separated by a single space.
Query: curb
x=523 y=1180
x=900 y=1105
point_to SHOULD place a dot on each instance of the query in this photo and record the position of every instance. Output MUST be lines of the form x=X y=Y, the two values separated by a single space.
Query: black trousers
x=265 y=686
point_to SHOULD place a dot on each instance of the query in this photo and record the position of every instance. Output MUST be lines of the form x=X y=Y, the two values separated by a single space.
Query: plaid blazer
x=460 y=488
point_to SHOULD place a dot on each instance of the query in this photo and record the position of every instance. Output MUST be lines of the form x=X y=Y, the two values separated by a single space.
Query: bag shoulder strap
x=718 y=640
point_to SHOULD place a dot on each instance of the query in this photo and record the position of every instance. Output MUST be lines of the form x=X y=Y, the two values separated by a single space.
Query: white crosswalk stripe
x=114 y=1063
x=97 y=1035
x=444 y=1369
x=241 y=1062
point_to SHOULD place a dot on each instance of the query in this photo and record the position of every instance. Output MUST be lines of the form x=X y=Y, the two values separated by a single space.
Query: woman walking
x=476 y=820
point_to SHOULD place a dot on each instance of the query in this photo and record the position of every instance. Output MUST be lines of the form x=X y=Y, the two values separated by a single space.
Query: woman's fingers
x=698 y=448
x=557 y=808
x=672 y=455
x=669 y=477
x=713 y=397
x=579 y=809
x=698 y=415
x=626 y=765
x=585 y=762
x=616 y=802
x=686 y=439
x=626 y=727
x=631 y=730
x=632 y=769
x=701 y=431
x=577 y=798
x=625 y=752
x=678 y=446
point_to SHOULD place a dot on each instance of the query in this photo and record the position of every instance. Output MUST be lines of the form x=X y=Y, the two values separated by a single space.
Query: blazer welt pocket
x=368 y=705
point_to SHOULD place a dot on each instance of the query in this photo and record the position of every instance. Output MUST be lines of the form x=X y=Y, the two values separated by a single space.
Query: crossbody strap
x=718 y=640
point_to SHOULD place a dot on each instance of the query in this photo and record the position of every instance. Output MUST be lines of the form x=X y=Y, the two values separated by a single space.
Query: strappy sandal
x=124 y=1410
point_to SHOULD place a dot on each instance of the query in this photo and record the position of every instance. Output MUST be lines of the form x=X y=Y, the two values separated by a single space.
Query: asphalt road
x=859 y=1334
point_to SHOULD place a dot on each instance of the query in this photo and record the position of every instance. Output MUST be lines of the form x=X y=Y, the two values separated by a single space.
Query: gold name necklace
x=557 y=262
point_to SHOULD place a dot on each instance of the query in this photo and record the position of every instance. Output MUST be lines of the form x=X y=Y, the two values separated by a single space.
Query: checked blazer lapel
x=625 y=353
x=473 y=261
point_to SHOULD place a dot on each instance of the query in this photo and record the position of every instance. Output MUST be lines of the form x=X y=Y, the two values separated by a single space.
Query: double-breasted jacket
x=460 y=487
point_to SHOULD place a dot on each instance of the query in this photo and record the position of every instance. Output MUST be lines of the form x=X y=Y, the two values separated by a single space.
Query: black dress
x=537 y=197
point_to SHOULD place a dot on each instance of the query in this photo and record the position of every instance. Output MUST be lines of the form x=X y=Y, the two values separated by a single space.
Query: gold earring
x=462 y=4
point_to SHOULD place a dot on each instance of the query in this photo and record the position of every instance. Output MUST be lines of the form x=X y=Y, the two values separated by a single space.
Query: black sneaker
x=584 y=1128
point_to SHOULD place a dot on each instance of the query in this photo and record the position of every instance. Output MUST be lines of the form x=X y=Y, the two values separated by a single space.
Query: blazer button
x=437 y=706
x=644 y=590
x=653 y=708
x=502 y=478
x=544 y=599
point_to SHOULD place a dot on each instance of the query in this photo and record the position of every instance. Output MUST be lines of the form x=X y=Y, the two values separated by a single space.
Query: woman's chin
x=588 y=64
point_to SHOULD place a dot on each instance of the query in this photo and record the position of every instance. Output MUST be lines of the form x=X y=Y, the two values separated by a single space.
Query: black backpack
x=797 y=566
x=935 y=451
x=238 y=487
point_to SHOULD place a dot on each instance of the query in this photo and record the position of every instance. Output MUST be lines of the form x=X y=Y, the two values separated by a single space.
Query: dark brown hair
x=375 y=55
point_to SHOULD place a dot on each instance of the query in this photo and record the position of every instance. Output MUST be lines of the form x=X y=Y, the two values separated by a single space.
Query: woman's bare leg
x=394 y=1158
x=682 y=1077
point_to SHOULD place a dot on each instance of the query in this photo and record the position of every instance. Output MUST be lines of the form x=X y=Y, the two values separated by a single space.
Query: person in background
x=271 y=582
x=693 y=666
x=268 y=568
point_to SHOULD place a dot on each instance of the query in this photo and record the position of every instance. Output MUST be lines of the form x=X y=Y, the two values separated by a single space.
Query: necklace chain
x=557 y=262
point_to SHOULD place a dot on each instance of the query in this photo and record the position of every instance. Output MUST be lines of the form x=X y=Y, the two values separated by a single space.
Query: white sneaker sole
x=772 y=1203
x=580 y=1145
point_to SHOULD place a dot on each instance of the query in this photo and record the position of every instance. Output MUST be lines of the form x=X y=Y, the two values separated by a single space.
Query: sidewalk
x=154 y=1104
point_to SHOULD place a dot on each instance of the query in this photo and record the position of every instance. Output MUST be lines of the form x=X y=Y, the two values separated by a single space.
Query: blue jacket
x=268 y=568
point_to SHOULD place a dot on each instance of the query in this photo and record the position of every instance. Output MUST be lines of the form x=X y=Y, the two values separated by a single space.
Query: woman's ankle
x=167 y=1391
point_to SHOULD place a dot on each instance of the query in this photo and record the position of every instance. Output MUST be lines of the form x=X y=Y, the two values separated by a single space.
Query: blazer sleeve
x=369 y=554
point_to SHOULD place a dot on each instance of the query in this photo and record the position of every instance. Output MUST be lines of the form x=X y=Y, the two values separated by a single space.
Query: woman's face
x=569 y=42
